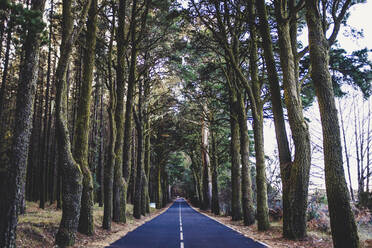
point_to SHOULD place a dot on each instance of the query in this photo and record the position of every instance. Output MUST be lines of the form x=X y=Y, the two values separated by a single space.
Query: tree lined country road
x=181 y=226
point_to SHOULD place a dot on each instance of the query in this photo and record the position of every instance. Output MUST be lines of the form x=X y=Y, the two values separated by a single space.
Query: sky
x=360 y=18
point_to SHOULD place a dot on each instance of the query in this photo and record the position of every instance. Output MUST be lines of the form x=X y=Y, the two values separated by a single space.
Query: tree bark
x=137 y=208
x=147 y=163
x=236 y=204
x=214 y=164
x=81 y=137
x=343 y=227
x=22 y=132
x=257 y=114
x=109 y=168
x=294 y=227
x=206 y=203
x=247 y=194
x=276 y=105
x=71 y=172
x=159 y=191
x=119 y=210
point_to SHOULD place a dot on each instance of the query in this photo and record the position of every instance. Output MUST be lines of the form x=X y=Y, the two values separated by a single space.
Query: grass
x=37 y=227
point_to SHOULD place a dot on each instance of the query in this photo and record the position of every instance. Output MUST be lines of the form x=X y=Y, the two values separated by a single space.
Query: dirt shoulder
x=273 y=238
x=38 y=227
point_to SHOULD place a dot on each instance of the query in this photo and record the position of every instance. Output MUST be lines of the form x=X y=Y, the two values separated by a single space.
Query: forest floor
x=274 y=238
x=38 y=227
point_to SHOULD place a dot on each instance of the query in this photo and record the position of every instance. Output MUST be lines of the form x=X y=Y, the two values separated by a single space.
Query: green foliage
x=353 y=69
x=24 y=20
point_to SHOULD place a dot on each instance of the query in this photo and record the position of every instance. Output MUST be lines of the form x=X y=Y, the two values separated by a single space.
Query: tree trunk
x=101 y=155
x=71 y=172
x=81 y=137
x=147 y=162
x=257 y=114
x=109 y=168
x=119 y=210
x=42 y=168
x=247 y=194
x=5 y=74
x=137 y=208
x=22 y=132
x=214 y=164
x=294 y=227
x=206 y=164
x=236 y=204
x=343 y=227
x=159 y=192
x=276 y=105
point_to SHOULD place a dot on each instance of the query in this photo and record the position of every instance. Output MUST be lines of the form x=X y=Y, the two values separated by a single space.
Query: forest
x=249 y=109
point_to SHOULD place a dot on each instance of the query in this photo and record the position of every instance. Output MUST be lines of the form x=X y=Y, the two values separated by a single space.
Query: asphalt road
x=183 y=227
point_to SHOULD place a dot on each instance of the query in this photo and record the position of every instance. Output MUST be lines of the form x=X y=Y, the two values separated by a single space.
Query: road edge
x=118 y=235
x=227 y=225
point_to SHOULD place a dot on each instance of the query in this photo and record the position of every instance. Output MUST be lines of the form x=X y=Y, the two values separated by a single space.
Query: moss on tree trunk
x=236 y=204
x=247 y=194
x=295 y=175
x=343 y=227
x=86 y=224
x=71 y=172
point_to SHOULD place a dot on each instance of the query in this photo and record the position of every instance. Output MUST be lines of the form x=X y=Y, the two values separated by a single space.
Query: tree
x=22 y=131
x=71 y=171
x=343 y=227
x=81 y=137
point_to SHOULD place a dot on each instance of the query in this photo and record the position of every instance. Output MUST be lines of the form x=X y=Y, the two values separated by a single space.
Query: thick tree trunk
x=119 y=211
x=247 y=194
x=294 y=227
x=343 y=227
x=22 y=132
x=257 y=114
x=71 y=172
x=276 y=105
x=236 y=204
x=81 y=137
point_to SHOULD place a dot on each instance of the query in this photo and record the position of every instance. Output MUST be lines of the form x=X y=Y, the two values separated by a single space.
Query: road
x=183 y=227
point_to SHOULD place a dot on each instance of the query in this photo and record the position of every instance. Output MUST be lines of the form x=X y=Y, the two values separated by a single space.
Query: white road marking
x=181 y=231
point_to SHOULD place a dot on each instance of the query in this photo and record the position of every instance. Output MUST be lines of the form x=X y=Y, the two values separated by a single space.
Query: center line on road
x=181 y=231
